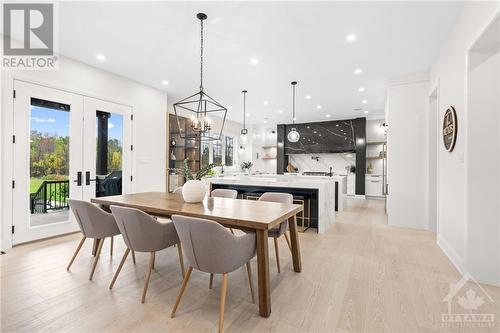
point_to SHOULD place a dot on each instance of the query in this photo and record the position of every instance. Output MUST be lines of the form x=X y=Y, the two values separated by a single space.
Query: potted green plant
x=246 y=166
x=194 y=190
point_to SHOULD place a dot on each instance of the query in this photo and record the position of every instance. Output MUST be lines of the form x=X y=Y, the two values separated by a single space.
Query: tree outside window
x=229 y=151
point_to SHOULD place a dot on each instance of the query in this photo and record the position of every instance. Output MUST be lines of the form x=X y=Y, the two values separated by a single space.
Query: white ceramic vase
x=194 y=191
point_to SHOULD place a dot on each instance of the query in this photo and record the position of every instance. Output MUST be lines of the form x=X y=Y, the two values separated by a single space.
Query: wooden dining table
x=257 y=216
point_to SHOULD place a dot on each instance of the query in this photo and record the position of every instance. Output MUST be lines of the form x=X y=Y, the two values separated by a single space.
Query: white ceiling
x=304 y=41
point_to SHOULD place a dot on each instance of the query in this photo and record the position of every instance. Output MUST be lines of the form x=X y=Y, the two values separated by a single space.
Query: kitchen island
x=318 y=192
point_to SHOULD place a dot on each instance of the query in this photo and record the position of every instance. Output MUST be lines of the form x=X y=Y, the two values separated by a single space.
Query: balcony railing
x=51 y=195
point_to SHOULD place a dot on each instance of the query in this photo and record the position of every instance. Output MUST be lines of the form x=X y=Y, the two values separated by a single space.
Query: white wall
x=263 y=136
x=450 y=70
x=406 y=114
x=149 y=108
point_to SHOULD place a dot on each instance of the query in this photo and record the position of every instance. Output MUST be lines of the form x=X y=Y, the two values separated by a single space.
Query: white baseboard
x=455 y=259
x=359 y=196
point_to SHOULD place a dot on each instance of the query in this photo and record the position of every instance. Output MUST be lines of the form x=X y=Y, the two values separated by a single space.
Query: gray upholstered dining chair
x=142 y=233
x=210 y=248
x=222 y=193
x=94 y=223
x=279 y=231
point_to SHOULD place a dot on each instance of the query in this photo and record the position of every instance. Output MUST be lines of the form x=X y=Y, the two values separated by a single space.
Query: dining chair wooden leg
x=210 y=285
x=232 y=231
x=76 y=252
x=119 y=268
x=223 y=291
x=181 y=260
x=288 y=241
x=98 y=253
x=277 y=254
x=111 y=246
x=250 y=281
x=148 y=275
x=181 y=292
x=133 y=256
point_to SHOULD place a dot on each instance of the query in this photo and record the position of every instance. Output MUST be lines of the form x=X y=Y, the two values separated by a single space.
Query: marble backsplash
x=323 y=162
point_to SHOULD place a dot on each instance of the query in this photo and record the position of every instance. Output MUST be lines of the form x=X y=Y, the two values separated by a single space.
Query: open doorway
x=433 y=157
x=483 y=157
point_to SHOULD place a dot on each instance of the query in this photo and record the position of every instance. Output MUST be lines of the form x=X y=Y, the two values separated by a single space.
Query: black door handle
x=78 y=180
x=87 y=178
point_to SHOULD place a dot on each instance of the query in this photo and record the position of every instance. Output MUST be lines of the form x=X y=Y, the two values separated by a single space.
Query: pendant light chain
x=293 y=105
x=201 y=56
x=244 y=109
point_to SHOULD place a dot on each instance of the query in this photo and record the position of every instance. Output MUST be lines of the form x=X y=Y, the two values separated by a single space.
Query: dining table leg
x=294 y=239
x=263 y=273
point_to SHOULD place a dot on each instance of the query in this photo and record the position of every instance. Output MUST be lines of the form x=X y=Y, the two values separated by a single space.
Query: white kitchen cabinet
x=351 y=184
x=373 y=185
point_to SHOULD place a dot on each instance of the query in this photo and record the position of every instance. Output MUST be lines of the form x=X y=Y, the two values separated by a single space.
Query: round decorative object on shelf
x=194 y=191
x=450 y=129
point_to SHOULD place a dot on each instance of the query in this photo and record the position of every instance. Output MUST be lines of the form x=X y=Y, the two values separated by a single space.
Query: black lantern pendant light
x=202 y=106
x=244 y=131
x=293 y=135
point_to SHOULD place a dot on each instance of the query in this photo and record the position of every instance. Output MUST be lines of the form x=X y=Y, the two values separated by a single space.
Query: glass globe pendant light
x=244 y=131
x=293 y=135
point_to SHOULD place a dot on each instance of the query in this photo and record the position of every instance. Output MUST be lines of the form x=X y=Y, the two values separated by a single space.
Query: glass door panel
x=47 y=161
x=108 y=149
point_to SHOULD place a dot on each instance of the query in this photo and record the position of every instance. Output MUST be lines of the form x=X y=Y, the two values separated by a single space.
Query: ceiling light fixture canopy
x=244 y=131
x=201 y=105
x=293 y=135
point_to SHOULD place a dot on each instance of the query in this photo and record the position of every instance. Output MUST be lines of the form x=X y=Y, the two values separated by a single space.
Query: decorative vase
x=193 y=191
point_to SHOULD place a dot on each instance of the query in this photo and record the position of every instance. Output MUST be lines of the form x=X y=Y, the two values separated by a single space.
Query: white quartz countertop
x=277 y=180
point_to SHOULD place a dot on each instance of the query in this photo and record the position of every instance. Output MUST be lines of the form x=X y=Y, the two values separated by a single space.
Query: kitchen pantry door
x=54 y=146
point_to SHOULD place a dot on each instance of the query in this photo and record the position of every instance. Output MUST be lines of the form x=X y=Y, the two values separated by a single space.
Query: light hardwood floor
x=361 y=276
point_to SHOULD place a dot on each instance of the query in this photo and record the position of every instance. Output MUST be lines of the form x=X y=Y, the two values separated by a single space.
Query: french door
x=59 y=141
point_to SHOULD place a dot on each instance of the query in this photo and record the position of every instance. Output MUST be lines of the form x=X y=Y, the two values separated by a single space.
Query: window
x=229 y=151
x=217 y=152
x=205 y=153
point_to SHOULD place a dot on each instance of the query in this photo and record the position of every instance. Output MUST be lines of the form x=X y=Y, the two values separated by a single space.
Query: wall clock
x=450 y=129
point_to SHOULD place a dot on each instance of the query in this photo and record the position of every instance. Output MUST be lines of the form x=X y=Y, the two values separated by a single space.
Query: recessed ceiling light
x=366 y=112
x=350 y=38
x=308 y=97
x=318 y=106
x=361 y=89
x=100 y=57
x=327 y=115
x=265 y=121
x=358 y=71
x=164 y=82
x=254 y=61
x=295 y=118
x=265 y=102
x=364 y=101
x=280 y=111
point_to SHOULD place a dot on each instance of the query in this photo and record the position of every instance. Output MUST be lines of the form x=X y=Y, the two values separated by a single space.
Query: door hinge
x=132 y=147
x=13 y=229
x=13 y=184
x=131 y=178
x=131 y=117
x=13 y=139
x=14 y=93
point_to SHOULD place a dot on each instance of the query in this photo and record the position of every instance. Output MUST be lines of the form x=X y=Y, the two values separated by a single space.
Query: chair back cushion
x=92 y=220
x=210 y=247
x=224 y=193
x=285 y=198
x=143 y=233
